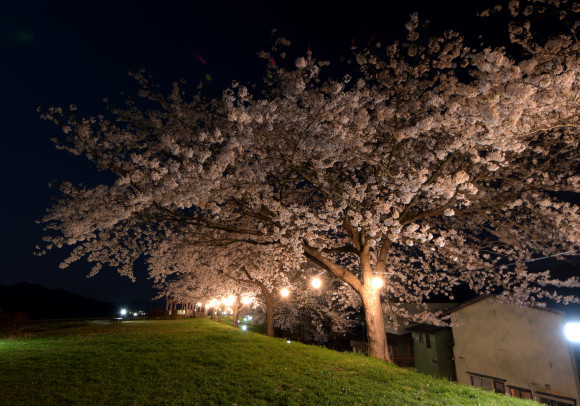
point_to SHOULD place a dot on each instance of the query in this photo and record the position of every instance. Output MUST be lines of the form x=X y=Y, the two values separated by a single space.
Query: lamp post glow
x=246 y=300
x=214 y=303
x=572 y=332
x=284 y=292
x=228 y=301
x=123 y=312
x=377 y=282
x=316 y=283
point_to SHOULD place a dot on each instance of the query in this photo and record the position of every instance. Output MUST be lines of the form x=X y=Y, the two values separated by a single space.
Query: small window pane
x=521 y=393
x=554 y=402
x=480 y=382
x=486 y=384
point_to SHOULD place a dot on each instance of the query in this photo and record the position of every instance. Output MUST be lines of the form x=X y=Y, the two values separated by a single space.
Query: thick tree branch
x=332 y=267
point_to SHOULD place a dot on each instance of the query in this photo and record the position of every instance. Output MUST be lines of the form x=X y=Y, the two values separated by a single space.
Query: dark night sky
x=56 y=53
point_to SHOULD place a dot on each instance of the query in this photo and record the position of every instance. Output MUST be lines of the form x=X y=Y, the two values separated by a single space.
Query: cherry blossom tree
x=194 y=274
x=430 y=165
x=211 y=290
x=219 y=267
x=200 y=269
x=319 y=314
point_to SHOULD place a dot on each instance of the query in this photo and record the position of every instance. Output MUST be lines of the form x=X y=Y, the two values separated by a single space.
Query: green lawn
x=202 y=362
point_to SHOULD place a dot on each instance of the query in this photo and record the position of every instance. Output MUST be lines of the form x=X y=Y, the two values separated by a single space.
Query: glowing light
x=246 y=300
x=123 y=312
x=228 y=301
x=288 y=341
x=198 y=304
x=377 y=282
x=244 y=327
x=316 y=283
x=572 y=332
x=135 y=314
x=284 y=292
x=214 y=303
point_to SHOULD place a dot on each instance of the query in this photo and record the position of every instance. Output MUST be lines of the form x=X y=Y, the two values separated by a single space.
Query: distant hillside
x=40 y=302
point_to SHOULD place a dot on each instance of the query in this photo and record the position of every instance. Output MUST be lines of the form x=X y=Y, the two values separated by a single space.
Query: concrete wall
x=524 y=346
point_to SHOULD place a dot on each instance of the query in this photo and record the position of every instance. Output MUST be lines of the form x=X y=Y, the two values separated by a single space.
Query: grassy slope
x=200 y=362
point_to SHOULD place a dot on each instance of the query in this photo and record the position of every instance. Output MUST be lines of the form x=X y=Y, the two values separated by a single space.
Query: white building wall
x=524 y=346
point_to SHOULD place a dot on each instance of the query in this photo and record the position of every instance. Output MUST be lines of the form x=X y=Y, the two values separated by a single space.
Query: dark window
x=434 y=361
x=498 y=387
x=520 y=393
x=428 y=340
x=552 y=401
x=421 y=340
x=480 y=382
x=487 y=383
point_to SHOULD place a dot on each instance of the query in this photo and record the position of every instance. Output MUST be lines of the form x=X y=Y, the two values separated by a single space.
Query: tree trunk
x=269 y=315
x=235 y=312
x=370 y=295
x=375 y=323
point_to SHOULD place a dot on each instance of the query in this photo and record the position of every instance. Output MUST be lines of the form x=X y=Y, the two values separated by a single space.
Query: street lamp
x=246 y=300
x=228 y=301
x=284 y=292
x=316 y=283
x=572 y=332
x=377 y=282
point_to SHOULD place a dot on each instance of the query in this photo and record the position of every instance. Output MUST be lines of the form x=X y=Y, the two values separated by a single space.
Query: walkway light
x=316 y=283
x=284 y=292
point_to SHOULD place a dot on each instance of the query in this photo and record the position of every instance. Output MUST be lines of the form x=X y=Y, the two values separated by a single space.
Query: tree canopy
x=429 y=164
